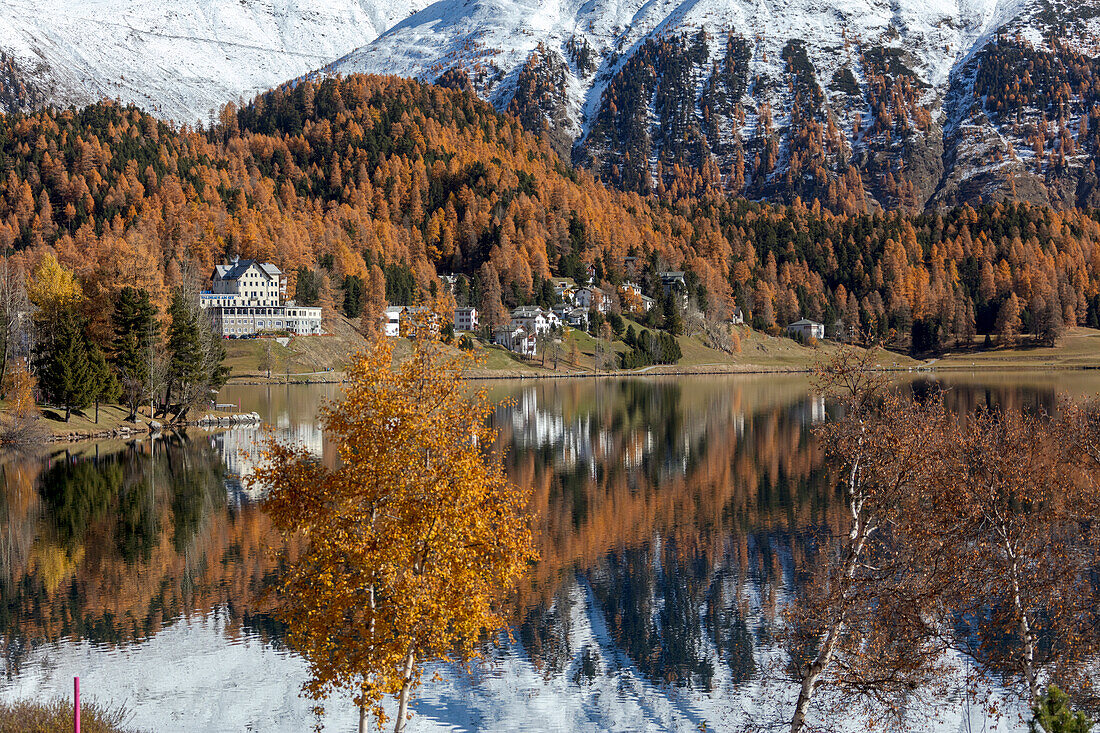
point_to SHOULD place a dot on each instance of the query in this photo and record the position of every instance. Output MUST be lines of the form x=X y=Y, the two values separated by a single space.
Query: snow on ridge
x=180 y=60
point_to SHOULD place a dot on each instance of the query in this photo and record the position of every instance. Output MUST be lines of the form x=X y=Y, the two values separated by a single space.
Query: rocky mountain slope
x=178 y=60
x=904 y=103
x=891 y=103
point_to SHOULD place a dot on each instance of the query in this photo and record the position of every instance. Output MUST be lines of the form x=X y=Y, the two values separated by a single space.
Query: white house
x=532 y=318
x=403 y=320
x=246 y=298
x=737 y=318
x=516 y=339
x=577 y=318
x=806 y=329
x=391 y=323
x=466 y=319
x=593 y=297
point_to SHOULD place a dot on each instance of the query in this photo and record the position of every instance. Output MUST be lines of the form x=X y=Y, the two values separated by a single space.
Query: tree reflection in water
x=679 y=513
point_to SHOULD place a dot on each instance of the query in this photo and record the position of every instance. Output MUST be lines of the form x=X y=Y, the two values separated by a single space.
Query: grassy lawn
x=303 y=355
x=1078 y=349
x=111 y=417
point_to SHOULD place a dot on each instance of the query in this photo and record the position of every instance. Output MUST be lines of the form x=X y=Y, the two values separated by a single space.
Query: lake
x=673 y=518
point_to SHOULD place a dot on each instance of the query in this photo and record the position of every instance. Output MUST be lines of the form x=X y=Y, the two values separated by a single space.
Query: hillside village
x=248 y=299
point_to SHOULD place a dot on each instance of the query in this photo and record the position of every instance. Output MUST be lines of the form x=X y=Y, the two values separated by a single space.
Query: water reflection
x=673 y=517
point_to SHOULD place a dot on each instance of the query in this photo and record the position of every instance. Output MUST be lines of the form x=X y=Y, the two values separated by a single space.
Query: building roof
x=527 y=311
x=804 y=322
x=466 y=309
x=234 y=270
x=672 y=275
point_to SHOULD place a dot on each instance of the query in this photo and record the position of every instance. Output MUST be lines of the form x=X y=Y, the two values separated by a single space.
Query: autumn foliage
x=413 y=539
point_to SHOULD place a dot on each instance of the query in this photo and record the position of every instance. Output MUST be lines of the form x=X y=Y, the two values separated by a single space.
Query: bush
x=1053 y=714
x=57 y=717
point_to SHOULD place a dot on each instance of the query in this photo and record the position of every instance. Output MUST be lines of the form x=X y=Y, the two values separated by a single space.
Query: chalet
x=516 y=339
x=560 y=310
x=563 y=289
x=405 y=320
x=806 y=329
x=577 y=318
x=391 y=322
x=532 y=318
x=594 y=298
x=672 y=282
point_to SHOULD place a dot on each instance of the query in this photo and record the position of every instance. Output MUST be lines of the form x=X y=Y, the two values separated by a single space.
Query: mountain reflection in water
x=672 y=518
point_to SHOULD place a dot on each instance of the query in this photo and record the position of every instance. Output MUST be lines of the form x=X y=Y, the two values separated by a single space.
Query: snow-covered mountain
x=178 y=59
x=908 y=103
x=899 y=102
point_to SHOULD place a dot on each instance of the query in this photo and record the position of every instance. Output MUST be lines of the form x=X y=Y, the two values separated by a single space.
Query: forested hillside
x=395 y=182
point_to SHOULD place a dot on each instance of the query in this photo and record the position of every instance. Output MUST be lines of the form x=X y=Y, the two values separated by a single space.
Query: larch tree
x=411 y=541
x=13 y=305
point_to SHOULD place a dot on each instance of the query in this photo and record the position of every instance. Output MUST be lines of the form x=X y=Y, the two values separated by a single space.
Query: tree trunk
x=1026 y=636
x=403 y=696
x=97 y=411
x=363 y=717
x=835 y=626
x=68 y=412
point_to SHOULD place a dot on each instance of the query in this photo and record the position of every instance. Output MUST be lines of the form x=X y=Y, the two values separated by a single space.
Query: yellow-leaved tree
x=51 y=284
x=411 y=541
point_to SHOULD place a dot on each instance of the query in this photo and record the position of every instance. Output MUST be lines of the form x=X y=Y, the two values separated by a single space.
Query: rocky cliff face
x=854 y=103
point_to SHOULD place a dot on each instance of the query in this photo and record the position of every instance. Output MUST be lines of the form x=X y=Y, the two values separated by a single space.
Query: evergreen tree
x=62 y=363
x=135 y=329
x=102 y=384
x=306 y=287
x=353 y=296
x=1053 y=714
x=185 y=352
x=671 y=321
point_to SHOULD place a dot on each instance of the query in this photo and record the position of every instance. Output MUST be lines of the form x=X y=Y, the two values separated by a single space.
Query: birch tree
x=859 y=626
x=412 y=541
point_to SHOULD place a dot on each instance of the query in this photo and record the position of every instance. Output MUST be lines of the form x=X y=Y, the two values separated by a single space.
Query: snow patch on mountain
x=180 y=60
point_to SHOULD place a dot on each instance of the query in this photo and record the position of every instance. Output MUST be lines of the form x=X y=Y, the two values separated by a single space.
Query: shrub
x=57 y=717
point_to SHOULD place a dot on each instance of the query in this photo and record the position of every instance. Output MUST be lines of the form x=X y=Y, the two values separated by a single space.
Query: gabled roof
x=234 y=270
x=804 y=322
x=527 y=311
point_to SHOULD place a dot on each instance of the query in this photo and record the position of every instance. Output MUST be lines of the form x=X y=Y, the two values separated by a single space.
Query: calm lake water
x=674 y=516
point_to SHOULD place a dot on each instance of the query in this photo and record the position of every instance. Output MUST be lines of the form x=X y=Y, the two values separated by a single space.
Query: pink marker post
x=76 y=711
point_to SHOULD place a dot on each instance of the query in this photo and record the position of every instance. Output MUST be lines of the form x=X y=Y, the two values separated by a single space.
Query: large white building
x=247 y=298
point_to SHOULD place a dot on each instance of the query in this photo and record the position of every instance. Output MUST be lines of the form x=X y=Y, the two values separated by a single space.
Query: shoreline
x=701 y=371
x=146 y=428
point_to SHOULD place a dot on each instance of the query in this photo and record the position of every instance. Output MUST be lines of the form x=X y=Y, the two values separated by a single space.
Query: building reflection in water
x=673 y=517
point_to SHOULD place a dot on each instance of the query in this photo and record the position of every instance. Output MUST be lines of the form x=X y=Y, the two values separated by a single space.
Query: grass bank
x=1079 y=348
